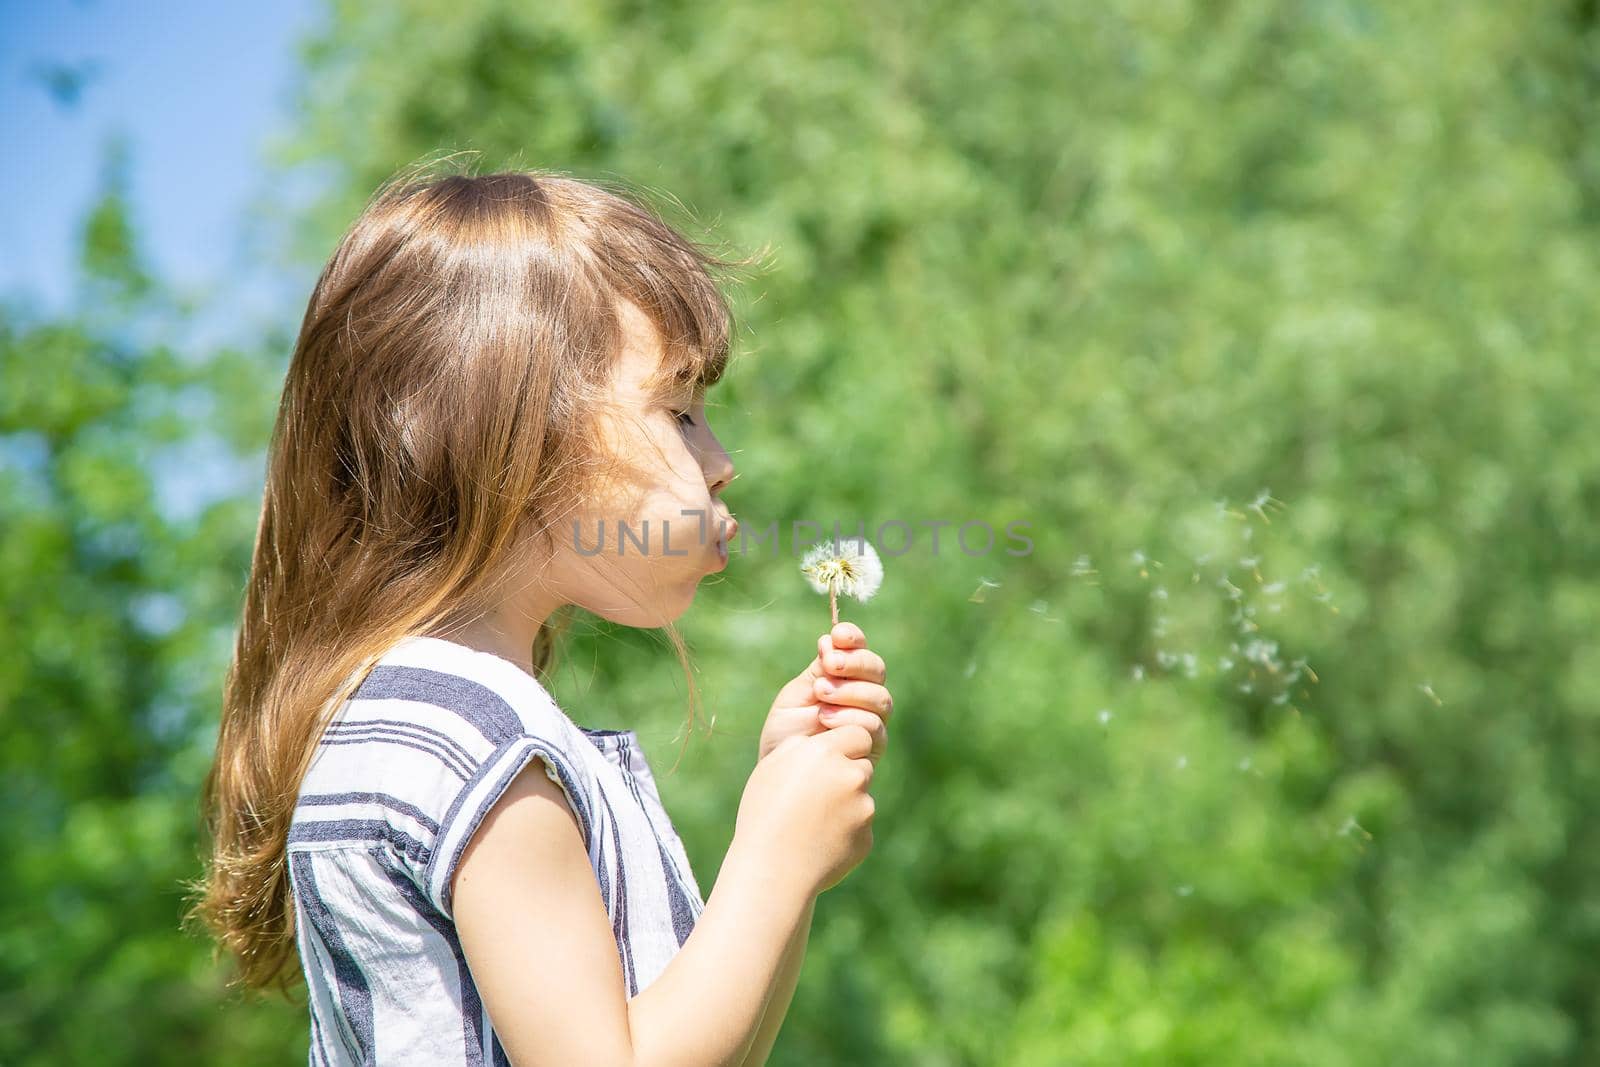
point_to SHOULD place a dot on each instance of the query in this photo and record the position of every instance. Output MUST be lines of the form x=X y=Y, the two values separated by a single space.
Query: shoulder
x=425 y=746
x=478 y=693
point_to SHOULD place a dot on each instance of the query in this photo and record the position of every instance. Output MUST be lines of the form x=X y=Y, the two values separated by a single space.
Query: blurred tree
x=1274 y=323
x=117 y=587
x=1097 y=268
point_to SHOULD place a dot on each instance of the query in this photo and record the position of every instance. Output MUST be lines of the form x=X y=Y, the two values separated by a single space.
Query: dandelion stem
x=833 y=604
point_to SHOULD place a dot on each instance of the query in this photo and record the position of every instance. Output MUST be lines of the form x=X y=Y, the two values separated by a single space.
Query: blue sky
x=196 y=87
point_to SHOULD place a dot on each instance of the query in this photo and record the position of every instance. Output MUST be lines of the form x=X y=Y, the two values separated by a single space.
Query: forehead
x=642 y=353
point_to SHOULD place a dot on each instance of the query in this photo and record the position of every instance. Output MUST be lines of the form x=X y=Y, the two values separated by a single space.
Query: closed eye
x=684 y=418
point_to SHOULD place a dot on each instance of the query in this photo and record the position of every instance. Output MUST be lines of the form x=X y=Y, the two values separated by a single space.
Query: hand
x=806 y=706
x=806 y=809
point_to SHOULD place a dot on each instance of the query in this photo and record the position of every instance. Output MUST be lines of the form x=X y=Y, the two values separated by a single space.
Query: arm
x=539 y=945
x=707 y=1006
x=783 y=992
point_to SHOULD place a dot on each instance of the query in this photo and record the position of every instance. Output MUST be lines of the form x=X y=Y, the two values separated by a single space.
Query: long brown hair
x=437 y=413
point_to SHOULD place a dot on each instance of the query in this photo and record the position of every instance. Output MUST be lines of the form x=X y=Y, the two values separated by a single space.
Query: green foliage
x=113 y=608
x=1193 y=782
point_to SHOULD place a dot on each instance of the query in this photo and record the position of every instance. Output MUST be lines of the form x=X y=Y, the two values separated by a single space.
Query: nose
x=719 y=471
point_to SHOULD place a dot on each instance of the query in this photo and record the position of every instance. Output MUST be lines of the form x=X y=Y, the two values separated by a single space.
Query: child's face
x=668 y=463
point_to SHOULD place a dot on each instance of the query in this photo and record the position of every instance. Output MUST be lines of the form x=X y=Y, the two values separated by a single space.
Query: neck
x=508 y=631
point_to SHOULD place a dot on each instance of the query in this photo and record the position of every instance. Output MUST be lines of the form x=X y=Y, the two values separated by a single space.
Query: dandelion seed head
x=849 y=566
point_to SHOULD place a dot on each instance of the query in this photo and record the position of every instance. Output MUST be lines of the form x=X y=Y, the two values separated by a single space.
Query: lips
x=728 y=533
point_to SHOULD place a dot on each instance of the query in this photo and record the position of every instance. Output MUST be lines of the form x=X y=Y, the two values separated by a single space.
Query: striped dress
x=404 y=773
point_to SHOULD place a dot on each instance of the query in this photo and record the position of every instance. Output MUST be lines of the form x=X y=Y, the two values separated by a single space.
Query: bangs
x=694 y=323
x=670 y=278
x=690 y=365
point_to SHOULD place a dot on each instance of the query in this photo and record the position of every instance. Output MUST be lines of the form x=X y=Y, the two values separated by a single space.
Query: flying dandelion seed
x=1145 y=563
x=1138 y=672
x=1181 y=763
x=849 y=566
x=1082 y=567
x=1350 y=827
x=1185 y=890
x=984 y=585
x=1042 y=609
x=1158 y=593
x=1427 y=690
x=1264 y=503
x=1244 y=764
x=1104 y=716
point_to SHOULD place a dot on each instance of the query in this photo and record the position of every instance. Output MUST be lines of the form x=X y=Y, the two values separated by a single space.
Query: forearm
x=705 y=1008
x=783 y=991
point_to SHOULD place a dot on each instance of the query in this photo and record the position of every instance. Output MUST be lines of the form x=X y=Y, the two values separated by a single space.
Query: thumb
x=852 y=739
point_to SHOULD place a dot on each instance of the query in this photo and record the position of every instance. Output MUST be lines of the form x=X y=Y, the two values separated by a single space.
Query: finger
x=815 y=669
x=868 y=696
x=833 y=717
x=848 y=635
x=852 y=740
x=861 y=663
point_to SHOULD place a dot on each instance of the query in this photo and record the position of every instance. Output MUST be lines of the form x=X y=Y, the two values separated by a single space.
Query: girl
x=489 y=367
